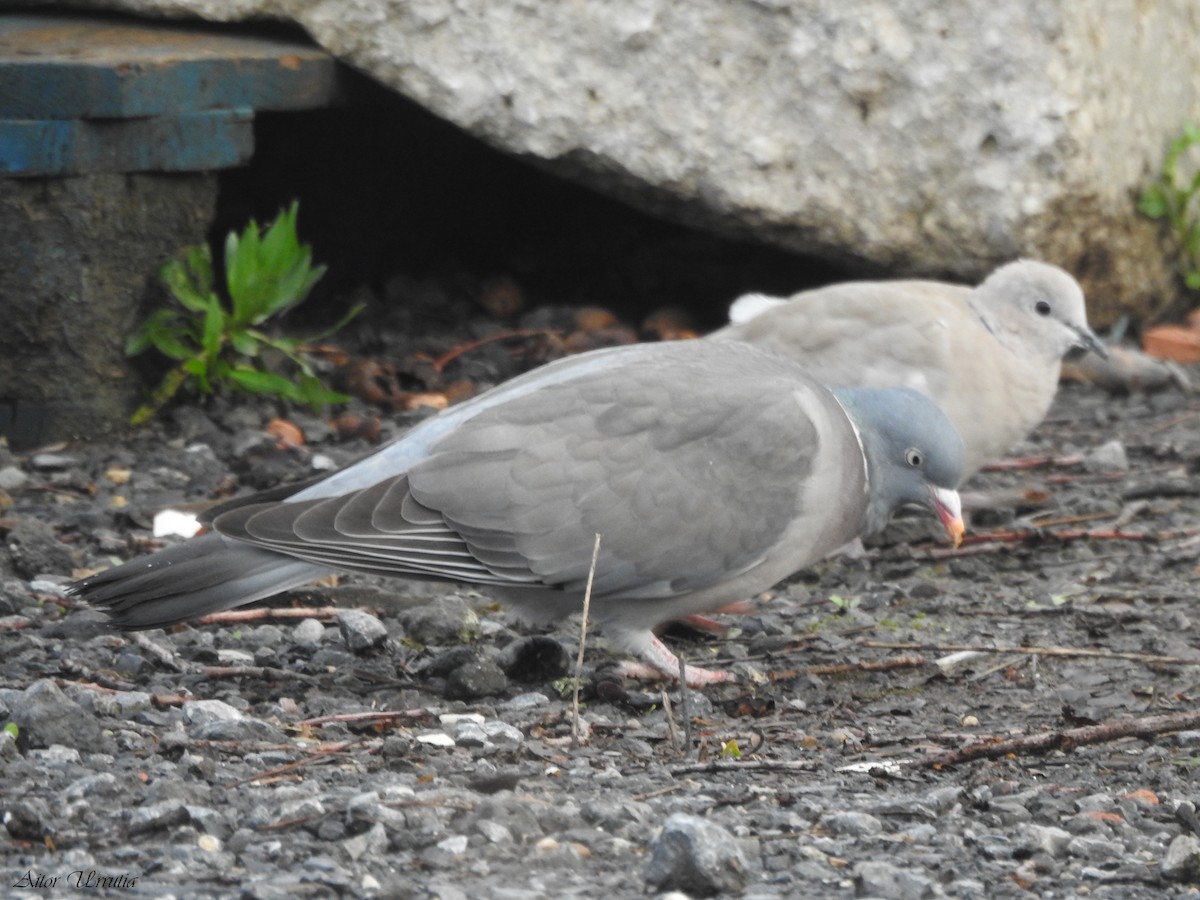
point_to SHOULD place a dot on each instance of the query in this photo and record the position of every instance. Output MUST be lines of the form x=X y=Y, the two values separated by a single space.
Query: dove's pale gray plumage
x=989 y=356
x=711 y=471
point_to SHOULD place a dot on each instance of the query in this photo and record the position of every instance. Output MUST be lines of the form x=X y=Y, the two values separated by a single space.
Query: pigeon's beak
x=1089 y=341
x=948 y=508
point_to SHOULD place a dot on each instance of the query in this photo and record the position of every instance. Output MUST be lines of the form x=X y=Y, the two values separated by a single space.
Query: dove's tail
x=204 y=575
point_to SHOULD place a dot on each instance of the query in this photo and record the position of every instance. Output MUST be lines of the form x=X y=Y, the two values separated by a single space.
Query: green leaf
x=256 y=381
x=13 y=729
x=244 y=342
x=214 y=330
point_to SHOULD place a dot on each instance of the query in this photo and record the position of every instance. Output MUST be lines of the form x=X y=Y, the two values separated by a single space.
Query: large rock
x=921 y=137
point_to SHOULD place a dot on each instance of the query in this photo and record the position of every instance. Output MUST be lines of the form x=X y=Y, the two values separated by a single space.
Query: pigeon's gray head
x=915 y=456
x=1036 y=308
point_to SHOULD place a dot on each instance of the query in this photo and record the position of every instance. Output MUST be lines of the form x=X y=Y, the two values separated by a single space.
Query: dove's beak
x=1089 y=341
x=948 y=508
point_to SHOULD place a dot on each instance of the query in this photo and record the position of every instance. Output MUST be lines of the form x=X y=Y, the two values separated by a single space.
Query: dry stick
x=1034 y=462
x=383 y=715
x=685 y=709
x=1037 y=651
x=1146 y=727
x=587 y=606
x=321 y=755
x=866 y=665
x=452 y=354
x=261 y=613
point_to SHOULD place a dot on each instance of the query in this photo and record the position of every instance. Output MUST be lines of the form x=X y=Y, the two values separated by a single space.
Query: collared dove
x=989 y=356
x=710 y=470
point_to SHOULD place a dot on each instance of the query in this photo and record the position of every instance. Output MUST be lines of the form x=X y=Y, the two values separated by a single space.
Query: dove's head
x=1034 y=307
x=915 y=456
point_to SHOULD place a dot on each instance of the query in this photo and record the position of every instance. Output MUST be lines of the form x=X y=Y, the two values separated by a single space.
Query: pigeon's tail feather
x=201 y=576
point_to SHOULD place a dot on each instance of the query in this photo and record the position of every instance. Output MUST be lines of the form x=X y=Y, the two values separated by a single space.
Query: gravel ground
x=399 y=739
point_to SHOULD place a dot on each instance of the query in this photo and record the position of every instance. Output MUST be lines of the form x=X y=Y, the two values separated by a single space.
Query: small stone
x=201 y=712
x=455 y=844
x=494 y=832
x=531 y=700
x=1108 y=457
x=470 y=735
x=372 y=842
x=27 y=818
x=52 y=462
x=308 y=633
x=1094 y=848
x=56 y=756
x=436 y=739
x=157 y=816
x=475 y=678
x=696 y=856
x=1182 y=859
x=46 y=716
x=852 y=823
x=361 y=630
x=875 y=878
x=209 y=843
x=12 y=478
x=503 y=734
x=244 y=729
x=1045 y=839
x=448 y=621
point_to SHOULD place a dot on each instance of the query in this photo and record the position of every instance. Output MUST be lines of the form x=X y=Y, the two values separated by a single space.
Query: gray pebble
x=360 y=630
x=1045 y=839
x=450 y=620
x=201 y=712
x=308 y=633
x=1182 y=859
x=696 y=856
x=475 y=678
x=12 y=478
x=45 y=716
x=371 y=843
x=1108 y=457
x=875 y=878
x=852 y=823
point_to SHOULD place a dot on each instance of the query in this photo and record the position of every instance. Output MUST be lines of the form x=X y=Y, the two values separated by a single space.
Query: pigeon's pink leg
x=660 y=661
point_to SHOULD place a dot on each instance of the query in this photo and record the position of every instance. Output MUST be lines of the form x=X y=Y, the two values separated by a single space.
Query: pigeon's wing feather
x=690 y=468
x=873 y=334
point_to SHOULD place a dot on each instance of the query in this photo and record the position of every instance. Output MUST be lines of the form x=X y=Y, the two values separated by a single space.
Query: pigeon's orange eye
x=914 y=458
x=1042 y=307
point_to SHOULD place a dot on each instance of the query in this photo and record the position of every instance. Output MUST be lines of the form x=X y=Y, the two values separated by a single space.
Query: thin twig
x=669 y=714
x=1034 y=462
x=453 y=353
x=1086 y=652
x=583 y=627
x=165 y=656
x=266 y=613
x=865 y=665
x=685 y=710
x=375 y=716
x=320 y=755
x=1065 y=740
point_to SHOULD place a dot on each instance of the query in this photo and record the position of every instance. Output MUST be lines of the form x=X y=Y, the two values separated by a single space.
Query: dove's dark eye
x=1042 y=307
x=914 y=458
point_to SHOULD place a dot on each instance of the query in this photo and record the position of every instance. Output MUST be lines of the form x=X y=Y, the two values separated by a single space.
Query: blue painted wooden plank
x=188 y=143
x=89 y=66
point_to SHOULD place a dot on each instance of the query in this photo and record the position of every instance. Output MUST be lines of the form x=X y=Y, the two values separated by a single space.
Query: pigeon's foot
x=660 y=661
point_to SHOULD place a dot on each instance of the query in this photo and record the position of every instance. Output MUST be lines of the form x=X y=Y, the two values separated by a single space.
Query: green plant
x=1172 y=196
x=219 y=345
